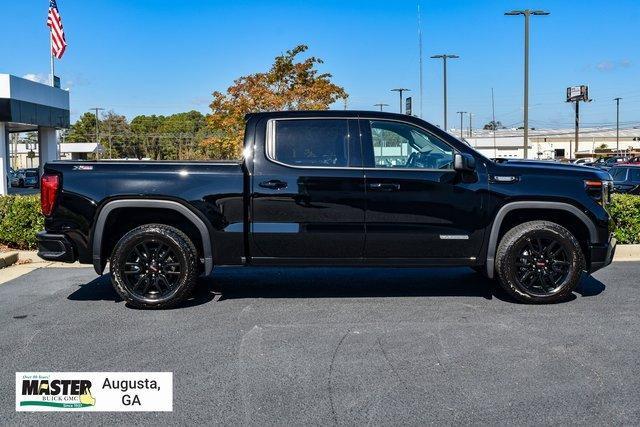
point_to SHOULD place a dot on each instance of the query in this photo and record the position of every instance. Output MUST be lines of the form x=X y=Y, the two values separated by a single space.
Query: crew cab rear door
x=307 y=192
x=418 y=207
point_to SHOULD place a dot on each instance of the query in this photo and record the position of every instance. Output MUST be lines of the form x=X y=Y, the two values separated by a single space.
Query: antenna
x=420 y=54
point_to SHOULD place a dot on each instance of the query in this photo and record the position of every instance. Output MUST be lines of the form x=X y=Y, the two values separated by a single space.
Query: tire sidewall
x=508 y=270
x=158 y=234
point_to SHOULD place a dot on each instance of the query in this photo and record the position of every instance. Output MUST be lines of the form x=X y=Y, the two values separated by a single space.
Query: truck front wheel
x=539 y=262
x=154 y=266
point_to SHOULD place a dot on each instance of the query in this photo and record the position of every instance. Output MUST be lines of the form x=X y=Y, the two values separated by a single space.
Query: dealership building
x=27 y=106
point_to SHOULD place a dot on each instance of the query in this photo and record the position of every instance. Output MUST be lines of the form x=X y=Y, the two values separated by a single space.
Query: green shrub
x=625 y=211
x=20 y=221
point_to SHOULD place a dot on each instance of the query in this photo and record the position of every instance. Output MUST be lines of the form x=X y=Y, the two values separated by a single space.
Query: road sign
x=407 y=107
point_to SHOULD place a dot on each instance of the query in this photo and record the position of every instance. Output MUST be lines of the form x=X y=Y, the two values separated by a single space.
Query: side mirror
x=464 y=162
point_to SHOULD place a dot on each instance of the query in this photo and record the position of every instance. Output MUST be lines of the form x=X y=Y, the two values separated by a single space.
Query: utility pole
x=381 y=105
x=420 y=54
x=470 y=127
x=400 y=90
x=527 y=14
x=97 y=110
x=493 y=114
x=462 y=113
x=444 y=58
x=617 y=124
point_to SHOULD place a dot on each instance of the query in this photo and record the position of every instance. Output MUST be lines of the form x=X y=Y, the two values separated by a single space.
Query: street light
x=381 y=105
x=400 y=90
x=97 y=110
x=617 y=124
x=462 y=113
x=526 y=13
x=444 y=58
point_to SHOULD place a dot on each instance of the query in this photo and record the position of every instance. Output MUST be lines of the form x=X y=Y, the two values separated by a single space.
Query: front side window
x=312 y=142
x=399 y=145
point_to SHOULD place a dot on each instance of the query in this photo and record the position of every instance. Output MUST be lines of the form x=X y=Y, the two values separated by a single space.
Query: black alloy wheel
x=154 y=266
x=539 y=262
x=543 y=265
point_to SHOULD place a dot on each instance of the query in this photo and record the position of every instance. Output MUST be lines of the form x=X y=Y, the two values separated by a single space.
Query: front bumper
x=55 y=247
x=602 y=255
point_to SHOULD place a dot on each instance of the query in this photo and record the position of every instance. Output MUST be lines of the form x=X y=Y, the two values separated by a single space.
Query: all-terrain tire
x=183 y=255
x=515 y=270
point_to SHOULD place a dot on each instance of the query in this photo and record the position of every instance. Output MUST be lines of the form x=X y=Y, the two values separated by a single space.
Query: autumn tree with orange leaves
x=290 y=84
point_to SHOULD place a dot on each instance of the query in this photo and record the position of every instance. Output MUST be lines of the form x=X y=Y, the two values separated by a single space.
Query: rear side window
x=311 y=142
x=635 y=175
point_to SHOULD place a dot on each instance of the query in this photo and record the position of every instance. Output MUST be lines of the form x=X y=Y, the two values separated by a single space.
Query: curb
x=627 y=253
x=8 y=258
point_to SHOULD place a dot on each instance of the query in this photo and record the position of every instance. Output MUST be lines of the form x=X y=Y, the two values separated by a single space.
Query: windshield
x=619 y=174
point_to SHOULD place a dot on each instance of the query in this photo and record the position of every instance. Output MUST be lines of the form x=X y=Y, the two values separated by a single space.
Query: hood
x=554 y=168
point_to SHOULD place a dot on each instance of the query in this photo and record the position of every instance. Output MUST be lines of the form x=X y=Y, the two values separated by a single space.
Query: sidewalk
x=29 y=261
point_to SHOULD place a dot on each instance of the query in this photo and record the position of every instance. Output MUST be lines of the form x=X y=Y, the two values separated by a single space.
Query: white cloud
x=38 y=78
x=605 y=66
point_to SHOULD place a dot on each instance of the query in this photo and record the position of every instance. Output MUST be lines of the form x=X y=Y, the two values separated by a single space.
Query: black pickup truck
x=330 y=188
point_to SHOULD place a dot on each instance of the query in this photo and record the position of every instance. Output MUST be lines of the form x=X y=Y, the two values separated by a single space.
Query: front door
x=418 y=207
x=308 y=193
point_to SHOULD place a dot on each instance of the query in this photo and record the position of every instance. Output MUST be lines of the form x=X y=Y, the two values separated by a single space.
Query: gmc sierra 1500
x=331 y=188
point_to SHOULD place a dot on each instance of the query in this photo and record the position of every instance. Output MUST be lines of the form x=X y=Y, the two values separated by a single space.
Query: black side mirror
x=464 y=162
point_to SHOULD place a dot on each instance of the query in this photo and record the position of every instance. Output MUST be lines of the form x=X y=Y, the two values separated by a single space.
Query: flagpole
x=51 y=57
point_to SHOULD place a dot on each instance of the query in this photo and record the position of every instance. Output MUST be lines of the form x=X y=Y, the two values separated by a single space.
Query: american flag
x=54 y=22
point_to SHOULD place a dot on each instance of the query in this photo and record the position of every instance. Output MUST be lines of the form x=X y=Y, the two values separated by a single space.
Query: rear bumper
x=602 y=255
x=55 y=247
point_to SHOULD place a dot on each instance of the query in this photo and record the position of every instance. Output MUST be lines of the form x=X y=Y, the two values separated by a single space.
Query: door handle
x=274 y=184
x=384 y=186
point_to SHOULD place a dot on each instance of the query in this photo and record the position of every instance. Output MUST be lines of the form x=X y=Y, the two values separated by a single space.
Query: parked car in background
x=606 y=163
x=626 y=179
x=584 y=161
x=31 y=178
x=633 y=161
x=17 y=179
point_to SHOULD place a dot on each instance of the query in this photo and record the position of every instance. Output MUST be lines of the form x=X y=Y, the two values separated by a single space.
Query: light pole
x=97 y=110
x=470 y=126
x=462 y=113
x=527 y=14
x=381 y=105
x=617 y=124
x=400 y=90
x=444 y=58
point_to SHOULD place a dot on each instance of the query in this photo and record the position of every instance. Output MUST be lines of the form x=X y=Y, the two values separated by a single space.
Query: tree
x=115 y=134
x=145 y=141
x=290 y=84
x=83 y=130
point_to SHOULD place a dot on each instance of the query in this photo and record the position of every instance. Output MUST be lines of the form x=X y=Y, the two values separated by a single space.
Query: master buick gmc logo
x=57 y=393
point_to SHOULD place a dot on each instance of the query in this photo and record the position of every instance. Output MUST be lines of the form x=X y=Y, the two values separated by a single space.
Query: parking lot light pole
x=462 y=113
x=444 y=58
x=400 y=90
x=617 y=124
x=527 y=14
x=381 y=105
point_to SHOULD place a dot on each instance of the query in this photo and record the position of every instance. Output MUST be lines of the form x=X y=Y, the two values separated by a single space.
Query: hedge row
x=625 y=211
x=20 y=219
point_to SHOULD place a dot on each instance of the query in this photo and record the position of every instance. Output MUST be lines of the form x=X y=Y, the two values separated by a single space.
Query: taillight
x=49 y=185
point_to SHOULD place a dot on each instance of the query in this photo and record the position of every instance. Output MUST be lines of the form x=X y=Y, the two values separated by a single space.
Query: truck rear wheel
x=539 y=262
x=154 y=266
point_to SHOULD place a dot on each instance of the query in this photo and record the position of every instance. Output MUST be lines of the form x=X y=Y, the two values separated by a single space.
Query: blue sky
x=158 y=56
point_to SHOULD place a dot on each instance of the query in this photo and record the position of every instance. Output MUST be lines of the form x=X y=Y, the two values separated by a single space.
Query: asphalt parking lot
x=339 y=346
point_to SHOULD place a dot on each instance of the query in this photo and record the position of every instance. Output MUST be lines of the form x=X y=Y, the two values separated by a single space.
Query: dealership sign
x=578 y=93
x=94 y=391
